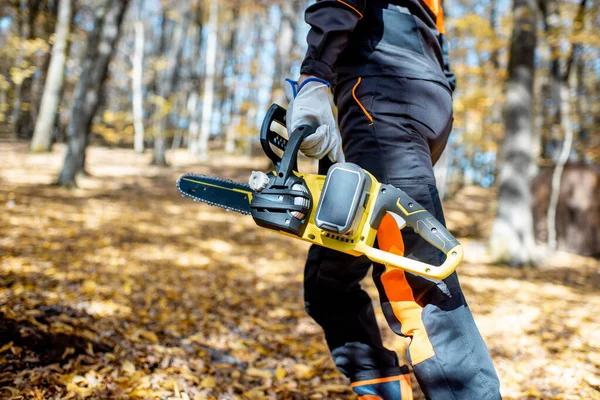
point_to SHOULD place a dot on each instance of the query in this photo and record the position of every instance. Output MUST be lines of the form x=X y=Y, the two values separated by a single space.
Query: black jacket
x=351 y=38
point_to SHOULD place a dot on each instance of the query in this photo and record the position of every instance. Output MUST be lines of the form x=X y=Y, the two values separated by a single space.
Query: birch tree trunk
x=565 y=108
x=236 y=88
x=230 y=57
x=512 y=240
x=209 y=90
x=44 y=126
x=194 y=129
x=193 y=98
x=167 y=81
x=100 y=48
x=21 y=81
x=37 y=87
x=565 y=119
x=285 y=43
x=138 y=100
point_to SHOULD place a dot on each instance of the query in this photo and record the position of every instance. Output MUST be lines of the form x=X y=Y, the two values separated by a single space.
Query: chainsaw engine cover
x=282 y=206
x=343 y=199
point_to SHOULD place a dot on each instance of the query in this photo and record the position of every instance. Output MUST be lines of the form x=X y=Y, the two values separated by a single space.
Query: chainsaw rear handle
x=416 y=267
x=396 y=202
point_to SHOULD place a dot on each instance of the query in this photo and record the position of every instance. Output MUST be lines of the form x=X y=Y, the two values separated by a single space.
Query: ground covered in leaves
x=122 y=289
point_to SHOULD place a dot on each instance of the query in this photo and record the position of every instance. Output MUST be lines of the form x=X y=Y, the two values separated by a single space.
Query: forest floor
x=122 y=289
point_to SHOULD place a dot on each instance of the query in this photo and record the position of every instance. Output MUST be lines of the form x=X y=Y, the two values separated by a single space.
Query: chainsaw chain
x=226 y=182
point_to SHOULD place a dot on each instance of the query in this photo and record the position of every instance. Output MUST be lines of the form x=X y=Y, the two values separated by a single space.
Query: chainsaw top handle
x=290 y=155
x=288 y=163
x=269 y=137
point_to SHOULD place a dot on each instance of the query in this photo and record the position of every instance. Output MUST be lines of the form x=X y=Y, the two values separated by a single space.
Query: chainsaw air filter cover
x=343 y=199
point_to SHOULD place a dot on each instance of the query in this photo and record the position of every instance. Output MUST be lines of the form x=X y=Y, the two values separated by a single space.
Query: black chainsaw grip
x=277 y=114
x=290 y=155
x=426 y=225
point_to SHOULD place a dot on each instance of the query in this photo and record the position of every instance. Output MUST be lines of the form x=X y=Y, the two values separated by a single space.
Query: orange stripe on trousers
x=403 y=380
x=400 y=294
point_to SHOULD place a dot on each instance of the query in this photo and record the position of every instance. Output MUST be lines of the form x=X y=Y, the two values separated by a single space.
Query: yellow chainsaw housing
x=361 y=243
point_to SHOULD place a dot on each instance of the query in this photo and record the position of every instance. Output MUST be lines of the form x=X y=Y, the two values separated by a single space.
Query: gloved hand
x=309 y=104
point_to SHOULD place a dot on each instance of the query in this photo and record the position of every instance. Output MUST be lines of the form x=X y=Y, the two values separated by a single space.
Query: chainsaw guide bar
x=236 y=196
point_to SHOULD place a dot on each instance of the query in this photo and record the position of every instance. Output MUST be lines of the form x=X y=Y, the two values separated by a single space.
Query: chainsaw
x=342 y=208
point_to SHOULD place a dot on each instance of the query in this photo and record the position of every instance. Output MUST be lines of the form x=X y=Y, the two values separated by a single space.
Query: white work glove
x=309 y=104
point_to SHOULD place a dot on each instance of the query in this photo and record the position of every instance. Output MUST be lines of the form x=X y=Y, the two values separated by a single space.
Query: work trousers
x=396 y=128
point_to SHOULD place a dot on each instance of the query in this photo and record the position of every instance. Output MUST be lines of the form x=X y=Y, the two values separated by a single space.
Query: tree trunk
x=285 y=43
x=230 y=57
x=168 y=80
x=194 y=113
x=560 y=165
x=209 y=92
x=578 y=210
x=512 y=239
x=3 y=101
x=565 y=119
x=138 y=100
x=494 y=27
x=37 y=88
x=160 y=147
x=44 y=126
x=239 y=38
x=22 y=81
x=193 y=98
x=100 y=47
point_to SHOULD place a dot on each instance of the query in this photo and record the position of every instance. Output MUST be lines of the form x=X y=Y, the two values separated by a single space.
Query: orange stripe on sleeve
x=439 y=21
x=436 y=8
x=352 y=7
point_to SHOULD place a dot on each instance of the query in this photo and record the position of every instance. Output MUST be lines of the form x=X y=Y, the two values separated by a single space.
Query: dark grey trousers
x=396 y=128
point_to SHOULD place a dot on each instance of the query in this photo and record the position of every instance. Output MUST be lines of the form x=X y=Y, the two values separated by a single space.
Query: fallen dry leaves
x=122 y=289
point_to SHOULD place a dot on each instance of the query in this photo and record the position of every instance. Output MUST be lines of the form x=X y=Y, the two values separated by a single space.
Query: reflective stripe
x=408 y=312
x=352 y=7
x=364 y=110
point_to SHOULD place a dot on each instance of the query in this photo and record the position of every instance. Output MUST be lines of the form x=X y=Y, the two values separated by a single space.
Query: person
x=387 y=64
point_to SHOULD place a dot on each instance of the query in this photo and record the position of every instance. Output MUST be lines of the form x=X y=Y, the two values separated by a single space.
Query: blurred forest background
x=115 y=98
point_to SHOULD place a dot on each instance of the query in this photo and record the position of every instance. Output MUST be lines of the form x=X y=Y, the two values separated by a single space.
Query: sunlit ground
x=122 y=289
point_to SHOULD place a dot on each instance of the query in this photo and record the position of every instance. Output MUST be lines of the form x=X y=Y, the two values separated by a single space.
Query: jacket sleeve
x=332 y=23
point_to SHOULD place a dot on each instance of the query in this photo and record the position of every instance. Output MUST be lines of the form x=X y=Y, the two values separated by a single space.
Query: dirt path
x=122 y=289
